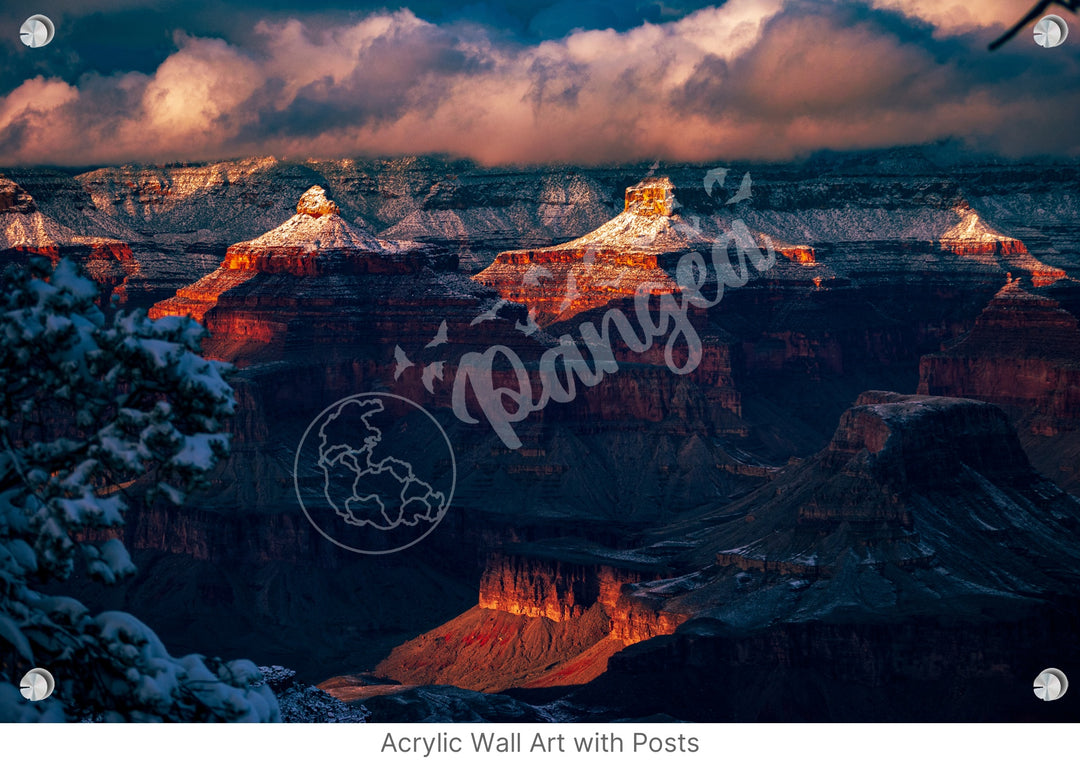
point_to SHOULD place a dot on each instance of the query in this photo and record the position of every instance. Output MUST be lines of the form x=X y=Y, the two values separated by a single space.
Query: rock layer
x=626 y=253
x=24 y=229
x=318 y=280
x=547 y=622
x=1023 y=352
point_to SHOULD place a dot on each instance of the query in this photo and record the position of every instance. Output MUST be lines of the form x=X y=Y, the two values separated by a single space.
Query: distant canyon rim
x=860 y=500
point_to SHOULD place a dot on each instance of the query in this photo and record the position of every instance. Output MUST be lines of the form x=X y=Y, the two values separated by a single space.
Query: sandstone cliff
x=610 y=262
x=316 y=280
x=546 y=621
x=1023 y=351
x=919 y=506
x=24 y=229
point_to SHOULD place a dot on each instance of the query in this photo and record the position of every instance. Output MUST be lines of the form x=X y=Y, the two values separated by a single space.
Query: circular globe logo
x=375 y=473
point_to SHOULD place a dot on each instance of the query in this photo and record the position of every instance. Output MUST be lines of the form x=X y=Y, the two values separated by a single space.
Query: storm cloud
x=752 y=79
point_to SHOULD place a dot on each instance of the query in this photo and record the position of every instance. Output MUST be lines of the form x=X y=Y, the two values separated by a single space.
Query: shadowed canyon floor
x=789 y=516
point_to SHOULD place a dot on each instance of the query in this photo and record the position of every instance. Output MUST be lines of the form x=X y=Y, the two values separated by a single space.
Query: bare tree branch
x=1071 y=5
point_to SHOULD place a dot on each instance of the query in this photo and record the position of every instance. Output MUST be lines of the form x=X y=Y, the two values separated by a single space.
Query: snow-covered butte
x=316 y=240
x=24 y=229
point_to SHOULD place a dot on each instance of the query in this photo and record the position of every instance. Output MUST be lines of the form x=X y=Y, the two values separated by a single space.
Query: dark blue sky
x=534 y=81
x=119 y=35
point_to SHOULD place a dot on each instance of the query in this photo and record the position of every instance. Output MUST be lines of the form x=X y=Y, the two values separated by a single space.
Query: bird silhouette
x=743 y=193
x=432 y=372
x=530 y=326
x=440 y=337
x=713 y=178
x=402 y=362
x=572 y=293
x=489 y=314
x=532 y=277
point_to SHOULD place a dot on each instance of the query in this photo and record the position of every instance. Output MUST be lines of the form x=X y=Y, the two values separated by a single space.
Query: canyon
x=25 y=230
x=919 y=510
x=1023 y=352
x=317 y=281
x=870 y=475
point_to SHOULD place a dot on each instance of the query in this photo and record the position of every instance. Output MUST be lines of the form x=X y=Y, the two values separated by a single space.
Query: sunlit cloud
x=763 y=79
x=956 y=16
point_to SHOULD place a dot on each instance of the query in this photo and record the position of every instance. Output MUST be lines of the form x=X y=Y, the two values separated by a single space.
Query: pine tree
x=94 y=402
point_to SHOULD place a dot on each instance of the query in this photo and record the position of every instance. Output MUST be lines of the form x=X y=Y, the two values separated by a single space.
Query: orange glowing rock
x=1023 y=351
x=310 y=278
x=624 y=255
x=199 y=297
x=797 y=254
x=541 y=621
x=26 y=230
x=972 y=237
x=316 y=241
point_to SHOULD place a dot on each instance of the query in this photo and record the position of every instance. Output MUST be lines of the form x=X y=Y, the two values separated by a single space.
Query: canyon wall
x=1023 y=352
x=562 y=590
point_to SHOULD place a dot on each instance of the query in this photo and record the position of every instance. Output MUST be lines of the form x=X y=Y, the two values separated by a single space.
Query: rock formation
x=919 y=506
x=25 y=229
x=547 y=622
x=1023 y=351
x=317 y=241
x=628 y=252
x=918 y=554
x=972 y=237
x=315 y=280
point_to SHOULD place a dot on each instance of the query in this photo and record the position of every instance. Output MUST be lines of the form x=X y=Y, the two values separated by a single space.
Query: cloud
x=956 y=16
x=28 y=109
x=562 y=18
x=193 y=95
x=764 y=79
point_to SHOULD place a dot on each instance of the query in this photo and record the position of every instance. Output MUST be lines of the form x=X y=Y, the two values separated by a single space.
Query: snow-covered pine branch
x=88 y=402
